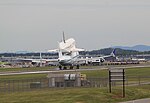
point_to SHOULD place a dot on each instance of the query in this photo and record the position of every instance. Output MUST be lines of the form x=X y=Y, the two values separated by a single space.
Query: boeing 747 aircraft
x=69 y=54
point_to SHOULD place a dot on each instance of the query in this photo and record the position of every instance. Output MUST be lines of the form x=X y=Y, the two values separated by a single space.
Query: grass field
x=26 y=69
x=20 y=77
x=76 y=95
x=97 y=73
x=3 y=63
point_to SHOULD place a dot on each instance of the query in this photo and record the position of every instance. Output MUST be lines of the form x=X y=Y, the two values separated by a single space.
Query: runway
x=43 y=72
x=74 y=70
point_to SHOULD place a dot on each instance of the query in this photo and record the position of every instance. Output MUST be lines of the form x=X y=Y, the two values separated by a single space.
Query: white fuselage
x=68 y=53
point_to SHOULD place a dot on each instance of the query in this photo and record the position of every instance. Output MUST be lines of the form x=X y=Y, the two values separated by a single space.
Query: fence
x=59 y=82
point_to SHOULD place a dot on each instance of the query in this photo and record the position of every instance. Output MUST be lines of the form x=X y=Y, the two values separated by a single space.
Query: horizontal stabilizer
x=54 y=50
x=77 y=49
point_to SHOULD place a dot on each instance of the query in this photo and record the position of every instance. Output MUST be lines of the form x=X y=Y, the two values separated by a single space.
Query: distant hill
x=105 y=51
x=118 y=52
x=136 y=47
x=22 y=52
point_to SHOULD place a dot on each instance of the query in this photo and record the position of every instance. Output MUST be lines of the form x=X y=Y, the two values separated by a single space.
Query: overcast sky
x=37 y=25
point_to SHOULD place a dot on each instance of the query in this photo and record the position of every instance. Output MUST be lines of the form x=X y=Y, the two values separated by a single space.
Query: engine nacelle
x=102 y=60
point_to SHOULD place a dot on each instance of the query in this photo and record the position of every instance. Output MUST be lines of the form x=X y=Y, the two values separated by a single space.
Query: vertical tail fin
x=113 y=53
x=63 y=37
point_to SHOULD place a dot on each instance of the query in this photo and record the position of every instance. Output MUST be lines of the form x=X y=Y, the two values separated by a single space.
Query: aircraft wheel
x=60 y=67
x=71 y=67
x=65 y=68
x=77 y=66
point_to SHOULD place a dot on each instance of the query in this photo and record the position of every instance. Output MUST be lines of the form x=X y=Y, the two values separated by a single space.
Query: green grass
x=98 y=73
x=76 y=95
x=3 y=63
x=37 y=68
x=138 y=71
x=129 y=72
x=21 y=77
x=94 y=73
x=26 y=69
x=144 y=71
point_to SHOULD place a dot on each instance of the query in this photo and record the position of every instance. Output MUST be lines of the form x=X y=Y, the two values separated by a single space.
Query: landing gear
x=64 y=68
x=60 y=67
x=77 y=66
x=71 y=67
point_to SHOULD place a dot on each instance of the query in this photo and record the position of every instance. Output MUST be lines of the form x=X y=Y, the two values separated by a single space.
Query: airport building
x=64 y=79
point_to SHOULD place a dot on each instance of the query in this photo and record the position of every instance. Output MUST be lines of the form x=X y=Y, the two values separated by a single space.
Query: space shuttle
x=68 y=53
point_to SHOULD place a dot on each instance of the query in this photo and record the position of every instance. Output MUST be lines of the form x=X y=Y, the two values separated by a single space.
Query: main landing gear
x=70 y=67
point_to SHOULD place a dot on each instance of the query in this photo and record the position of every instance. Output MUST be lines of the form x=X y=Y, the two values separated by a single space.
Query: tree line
x=105 y=51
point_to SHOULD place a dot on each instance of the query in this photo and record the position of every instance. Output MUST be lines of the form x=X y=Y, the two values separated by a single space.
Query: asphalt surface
x=42 y=72
x=74 y=70
x=147 y=100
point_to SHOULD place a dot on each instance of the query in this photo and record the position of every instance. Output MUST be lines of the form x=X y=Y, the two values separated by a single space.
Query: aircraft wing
x=23 y=59
x=54 y=50
x=77 y=49
x=79 y=61
x=51 y=60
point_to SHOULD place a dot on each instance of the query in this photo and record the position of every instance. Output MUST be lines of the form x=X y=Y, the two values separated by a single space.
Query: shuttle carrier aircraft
x=69 y=54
